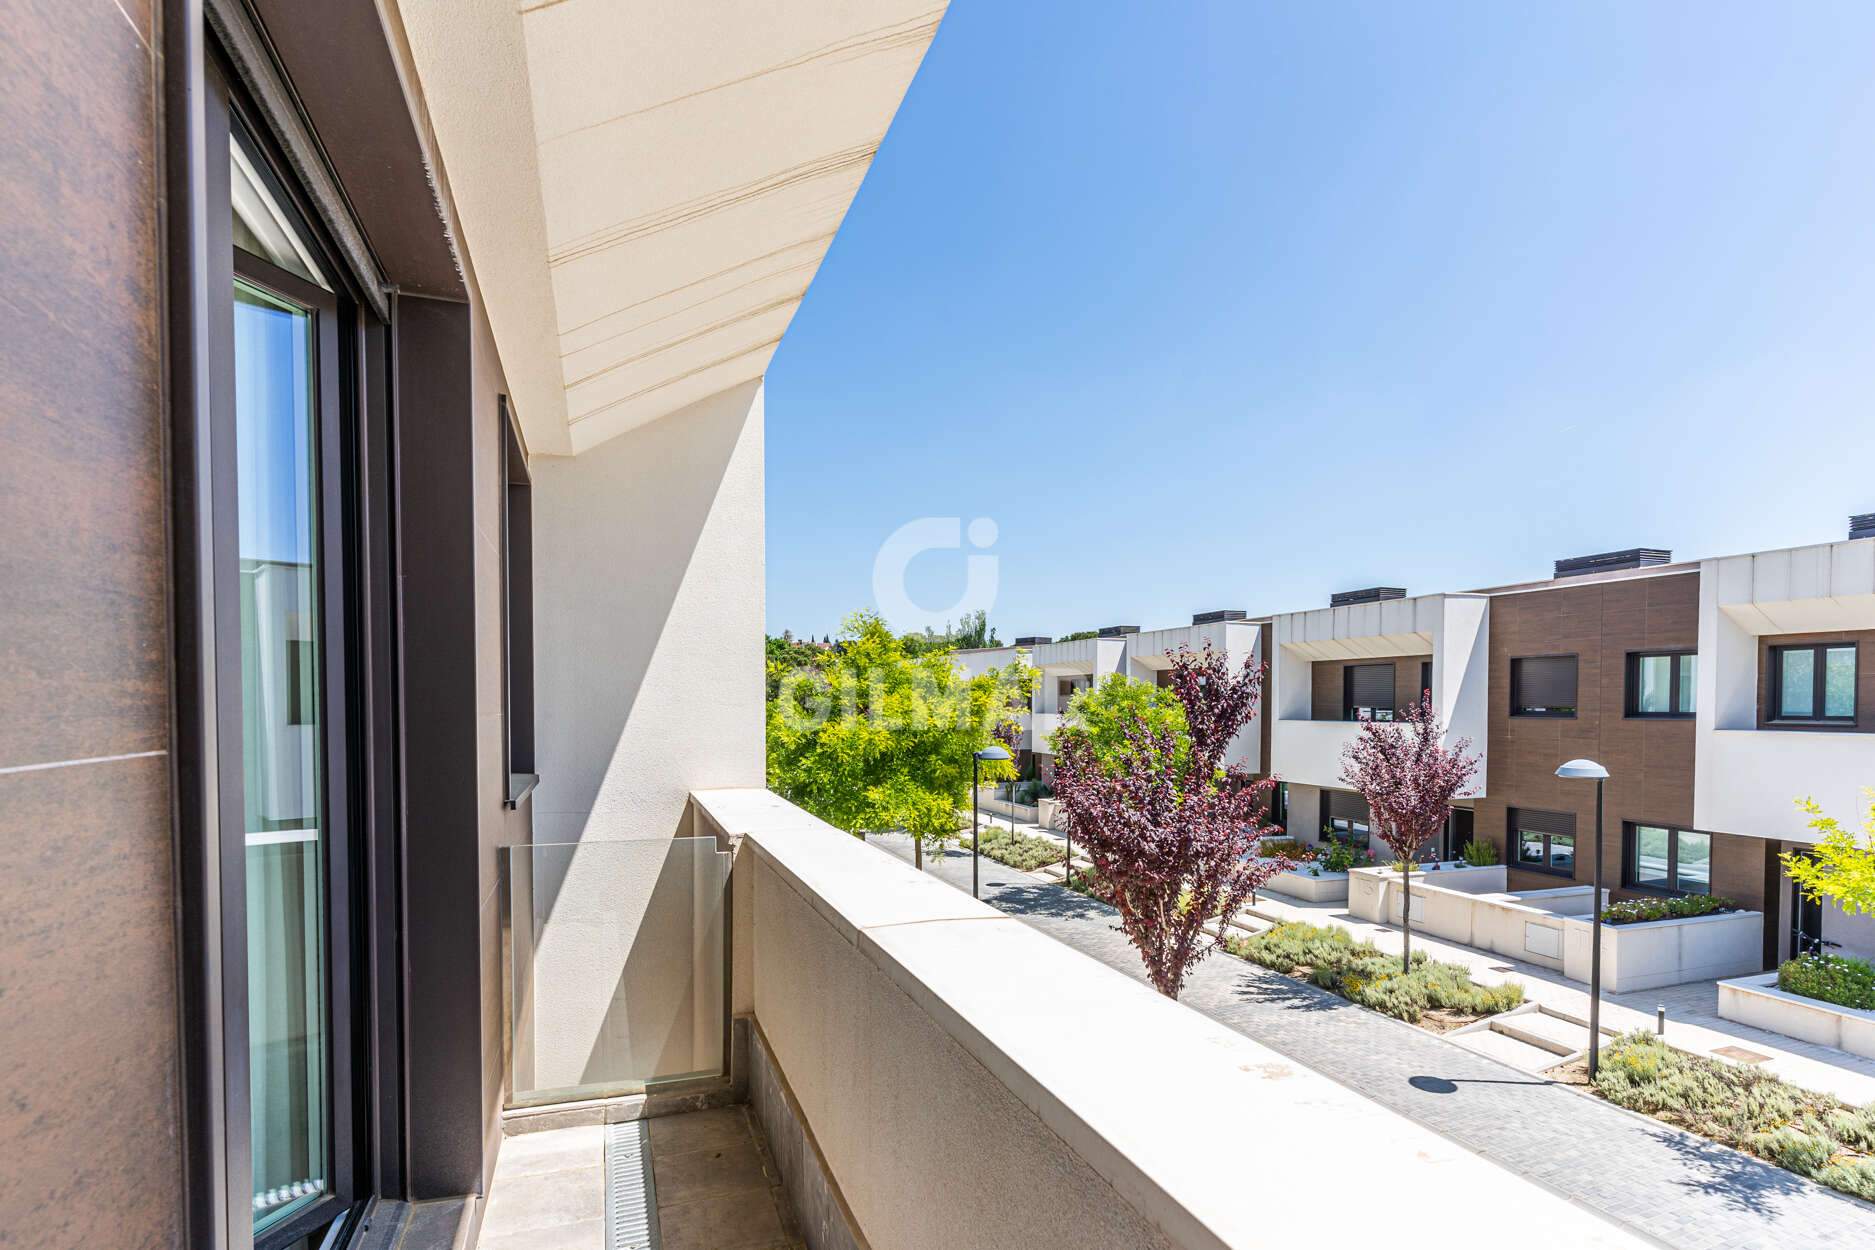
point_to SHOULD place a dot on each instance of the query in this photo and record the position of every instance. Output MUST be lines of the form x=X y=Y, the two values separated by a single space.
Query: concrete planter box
x=1326 y=887
x=1667 y=952
x=1047 y=810
x=1756 y=1000
x=1374 y=894
x=990 y=805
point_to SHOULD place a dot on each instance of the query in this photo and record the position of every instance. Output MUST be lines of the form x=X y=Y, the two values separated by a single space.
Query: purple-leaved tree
x=1172 y=834
x=1409 y=779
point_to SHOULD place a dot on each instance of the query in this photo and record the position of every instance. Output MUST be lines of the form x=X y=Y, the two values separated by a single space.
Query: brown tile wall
x=1650 y=762
x=88 y=1064
x=1326 y=683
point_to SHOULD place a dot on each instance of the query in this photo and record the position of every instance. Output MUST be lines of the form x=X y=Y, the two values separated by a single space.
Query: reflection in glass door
x=276 y=437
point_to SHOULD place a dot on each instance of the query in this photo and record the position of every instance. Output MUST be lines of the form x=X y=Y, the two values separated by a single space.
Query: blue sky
x=1236 y=305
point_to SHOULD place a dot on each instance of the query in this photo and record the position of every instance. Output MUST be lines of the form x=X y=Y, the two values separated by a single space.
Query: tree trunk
x=1406 y=919
x=917 y=852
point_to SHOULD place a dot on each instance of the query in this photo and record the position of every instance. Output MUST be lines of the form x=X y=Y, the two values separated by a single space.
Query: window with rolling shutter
x=1344 y=818
x=1537 y=821
x=1543 y=685
x=1542 y=841
x=1346 y=805
x=1367 y=692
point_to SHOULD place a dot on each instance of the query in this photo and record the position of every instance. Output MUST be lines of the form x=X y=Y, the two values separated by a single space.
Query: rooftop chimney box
x=1118 y=631
x=1212 y=618
x=1609 y=561
x=1862 y=525
x=1033 y=640
x=1373 y=594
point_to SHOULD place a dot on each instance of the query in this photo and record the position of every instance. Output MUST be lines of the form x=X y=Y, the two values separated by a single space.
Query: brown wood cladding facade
x=88 y=997
x=1326 y=682
x=1650 y=761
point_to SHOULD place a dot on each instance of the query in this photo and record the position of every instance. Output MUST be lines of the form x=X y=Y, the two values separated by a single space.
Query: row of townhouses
x=1717 y=693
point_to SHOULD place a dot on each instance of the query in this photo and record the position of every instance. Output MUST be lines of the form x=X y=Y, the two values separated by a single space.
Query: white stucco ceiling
x=646 y=187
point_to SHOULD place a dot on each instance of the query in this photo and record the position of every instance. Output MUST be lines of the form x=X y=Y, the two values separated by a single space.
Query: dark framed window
x=1814 y=683
x=1542 y=841
x=1664 y=859
x=275 y=553
x=1345 y=818
x=1367 y=692
x=1543 y=685
x=517 y=610
x=1425 y=679
x=1662 y=684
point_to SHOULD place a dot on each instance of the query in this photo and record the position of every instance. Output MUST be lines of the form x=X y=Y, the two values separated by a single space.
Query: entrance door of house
x=1458 y=831
x=1806 y=930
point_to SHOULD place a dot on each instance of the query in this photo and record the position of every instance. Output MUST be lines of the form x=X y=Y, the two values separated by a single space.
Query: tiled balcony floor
x=717 y=1188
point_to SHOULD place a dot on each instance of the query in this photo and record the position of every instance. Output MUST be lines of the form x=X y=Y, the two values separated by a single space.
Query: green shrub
x=1019 y=850
x=1359 y=972
x=1288 y=848
x=1794 y=1150
x=1480 y=854
x=1851 y=1176
x=1811 y=1134
x=1342 y=856
x=1840 y=979
x=1641 y=910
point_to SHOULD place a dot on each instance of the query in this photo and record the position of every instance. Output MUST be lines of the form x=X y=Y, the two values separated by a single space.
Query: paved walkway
x=1693 y=1021
x=1680 y=1190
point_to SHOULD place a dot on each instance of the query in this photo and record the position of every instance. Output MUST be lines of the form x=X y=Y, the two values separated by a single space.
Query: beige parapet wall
x=971 y=1082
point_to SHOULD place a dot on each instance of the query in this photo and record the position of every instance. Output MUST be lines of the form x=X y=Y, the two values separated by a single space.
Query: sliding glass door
x=283 y=530
x=281 y=658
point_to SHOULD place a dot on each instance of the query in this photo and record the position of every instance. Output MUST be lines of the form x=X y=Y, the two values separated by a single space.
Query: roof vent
x=1118 y=631
x=1373 y=594
x=1609 y=561
x=1033 y=640
x=1862 y=526
x=1212 y=618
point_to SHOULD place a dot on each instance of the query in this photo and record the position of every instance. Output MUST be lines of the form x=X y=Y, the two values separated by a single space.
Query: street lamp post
x=1586 y=770
x=990 y=752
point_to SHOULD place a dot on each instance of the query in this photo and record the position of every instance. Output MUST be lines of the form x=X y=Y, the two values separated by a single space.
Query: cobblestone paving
x=1677 y=1189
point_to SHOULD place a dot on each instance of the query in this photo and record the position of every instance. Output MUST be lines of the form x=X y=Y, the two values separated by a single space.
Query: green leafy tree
x=784 y=654
x=871 y=737
x=1841 y=867
x=974 y=631
x=1077 y=637
x=1105 y=718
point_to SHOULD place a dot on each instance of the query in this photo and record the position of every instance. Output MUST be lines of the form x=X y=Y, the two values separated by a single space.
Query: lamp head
x=1584 y=770
x=992 y=752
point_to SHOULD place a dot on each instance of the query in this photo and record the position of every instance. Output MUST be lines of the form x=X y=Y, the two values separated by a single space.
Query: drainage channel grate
x=631 y=1202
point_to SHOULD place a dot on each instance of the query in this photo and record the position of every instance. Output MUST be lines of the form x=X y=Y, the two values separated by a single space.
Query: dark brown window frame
x=1515 y=683
x=1382 y=712
x=1774 y=685
x=1630 y=878
x=517 y=611
x=1515 y=828
x=1631 y=699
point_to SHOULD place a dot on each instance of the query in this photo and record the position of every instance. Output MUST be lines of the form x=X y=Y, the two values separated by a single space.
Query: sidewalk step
x=1554 y=1034
x=1508 y=1049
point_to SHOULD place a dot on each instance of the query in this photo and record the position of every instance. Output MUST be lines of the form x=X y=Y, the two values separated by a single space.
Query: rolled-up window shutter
x=1370 y=685
x=1347 y=805
x=1534 y=820
x=1546 y=682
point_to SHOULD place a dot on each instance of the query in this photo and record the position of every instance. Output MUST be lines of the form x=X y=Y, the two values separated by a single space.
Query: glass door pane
x=282 y=656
